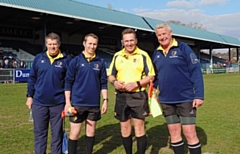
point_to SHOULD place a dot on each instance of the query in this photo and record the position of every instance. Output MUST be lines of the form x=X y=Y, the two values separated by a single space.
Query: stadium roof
x=58 y=12
x=193 y=33
x=82 y=11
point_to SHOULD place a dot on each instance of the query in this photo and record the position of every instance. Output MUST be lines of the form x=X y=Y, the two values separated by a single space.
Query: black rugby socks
x=178 y=147
x=127 y=143
x=195 y=148
x=141 y=144
x=89 y=144
x=72 y=146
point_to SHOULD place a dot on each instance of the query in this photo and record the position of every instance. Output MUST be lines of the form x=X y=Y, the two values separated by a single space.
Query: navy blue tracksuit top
x=46 y=80
x=178 y=75
x=85 y=80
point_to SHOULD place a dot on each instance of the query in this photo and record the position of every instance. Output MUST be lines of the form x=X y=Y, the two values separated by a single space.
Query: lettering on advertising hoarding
x=16 y=32
x=22 y=74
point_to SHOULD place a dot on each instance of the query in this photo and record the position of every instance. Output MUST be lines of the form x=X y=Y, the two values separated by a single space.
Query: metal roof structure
x=73 y=16
x=81 y=11
x=197 y=34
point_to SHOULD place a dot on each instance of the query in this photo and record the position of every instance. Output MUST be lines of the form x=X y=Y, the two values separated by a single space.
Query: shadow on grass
x=159 y=139
x=108 y=139
x=201 y=136
x=111 y=136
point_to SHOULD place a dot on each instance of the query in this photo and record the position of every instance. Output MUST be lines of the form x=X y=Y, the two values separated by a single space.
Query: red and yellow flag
x=155 y=109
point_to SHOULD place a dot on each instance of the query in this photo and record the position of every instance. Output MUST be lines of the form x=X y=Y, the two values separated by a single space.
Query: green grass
x=218 y=122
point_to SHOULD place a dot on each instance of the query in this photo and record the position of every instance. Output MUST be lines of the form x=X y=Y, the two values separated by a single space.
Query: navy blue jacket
x=46 y=80
x=85 y=80
x=178 y=75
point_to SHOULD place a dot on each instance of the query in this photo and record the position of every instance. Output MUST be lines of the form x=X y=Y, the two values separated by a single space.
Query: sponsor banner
x=16 y=32
x=108 y=41
x=21 y=75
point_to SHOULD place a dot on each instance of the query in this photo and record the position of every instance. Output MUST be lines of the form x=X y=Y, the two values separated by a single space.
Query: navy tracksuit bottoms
x=42 y=116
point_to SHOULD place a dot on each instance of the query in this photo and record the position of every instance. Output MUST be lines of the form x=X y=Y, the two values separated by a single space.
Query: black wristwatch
x=29 y=95
x=138 y=83
x=105 y=99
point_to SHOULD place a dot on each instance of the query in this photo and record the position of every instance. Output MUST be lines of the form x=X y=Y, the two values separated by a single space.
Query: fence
x=6 y=75
x=21 y=75
x=14 y=75
x=206 y=69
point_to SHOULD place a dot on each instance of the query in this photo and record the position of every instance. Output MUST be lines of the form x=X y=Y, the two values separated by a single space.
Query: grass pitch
x=218 y=122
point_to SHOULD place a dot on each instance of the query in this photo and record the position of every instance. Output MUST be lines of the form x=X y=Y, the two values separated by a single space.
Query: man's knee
x=139 y=127
x=126 y=128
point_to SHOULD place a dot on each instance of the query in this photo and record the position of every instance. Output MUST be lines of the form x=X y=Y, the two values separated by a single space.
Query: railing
x=6 y=75
x=21 y=75
x=220 y=70
x=14 y=75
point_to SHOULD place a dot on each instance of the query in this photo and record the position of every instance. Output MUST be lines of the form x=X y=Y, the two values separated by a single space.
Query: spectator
x=6 y=63
x=227 y=62
x=45 y=95
x=14 y=64
x=22 y=64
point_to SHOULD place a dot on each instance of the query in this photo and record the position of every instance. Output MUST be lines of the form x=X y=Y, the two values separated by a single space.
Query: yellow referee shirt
x=131 y=68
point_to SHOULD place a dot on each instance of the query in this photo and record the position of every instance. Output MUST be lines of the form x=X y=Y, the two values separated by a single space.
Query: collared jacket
x=85 y=79
x=178 y=74
x=46 y=80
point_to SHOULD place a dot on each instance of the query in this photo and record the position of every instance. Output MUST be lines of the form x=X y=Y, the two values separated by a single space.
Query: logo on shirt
x=134 y=60
x=96 y=67
x=42 y=61
x=173 y=54
x=193 y=58
x=125 y=56
x=59 y=64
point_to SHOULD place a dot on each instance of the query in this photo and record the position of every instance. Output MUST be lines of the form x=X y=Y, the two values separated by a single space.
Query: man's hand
x=130 y=86
x=119 y=85
x=67 y=106
x=29 y=102
x=104 y=107
x=197 y=103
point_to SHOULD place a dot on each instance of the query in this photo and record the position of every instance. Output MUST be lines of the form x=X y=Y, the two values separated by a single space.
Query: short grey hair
x=162 y=25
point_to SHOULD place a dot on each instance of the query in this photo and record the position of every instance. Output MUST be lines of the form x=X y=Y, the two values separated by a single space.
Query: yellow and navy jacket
x=85 y=79
x=178 y=74
x=46 y=79
x=131 y=68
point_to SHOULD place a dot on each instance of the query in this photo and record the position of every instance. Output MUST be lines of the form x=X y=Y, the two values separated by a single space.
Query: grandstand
x=22 y=35
x=24 y=51
x=18 y=51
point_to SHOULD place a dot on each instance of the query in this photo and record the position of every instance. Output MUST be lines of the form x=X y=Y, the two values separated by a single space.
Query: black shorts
x=83 y=113
x=181 y=112
x=131 y=105
x=180 y=109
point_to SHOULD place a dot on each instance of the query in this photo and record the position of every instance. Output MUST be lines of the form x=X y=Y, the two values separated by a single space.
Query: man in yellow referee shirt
x=130 y=72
